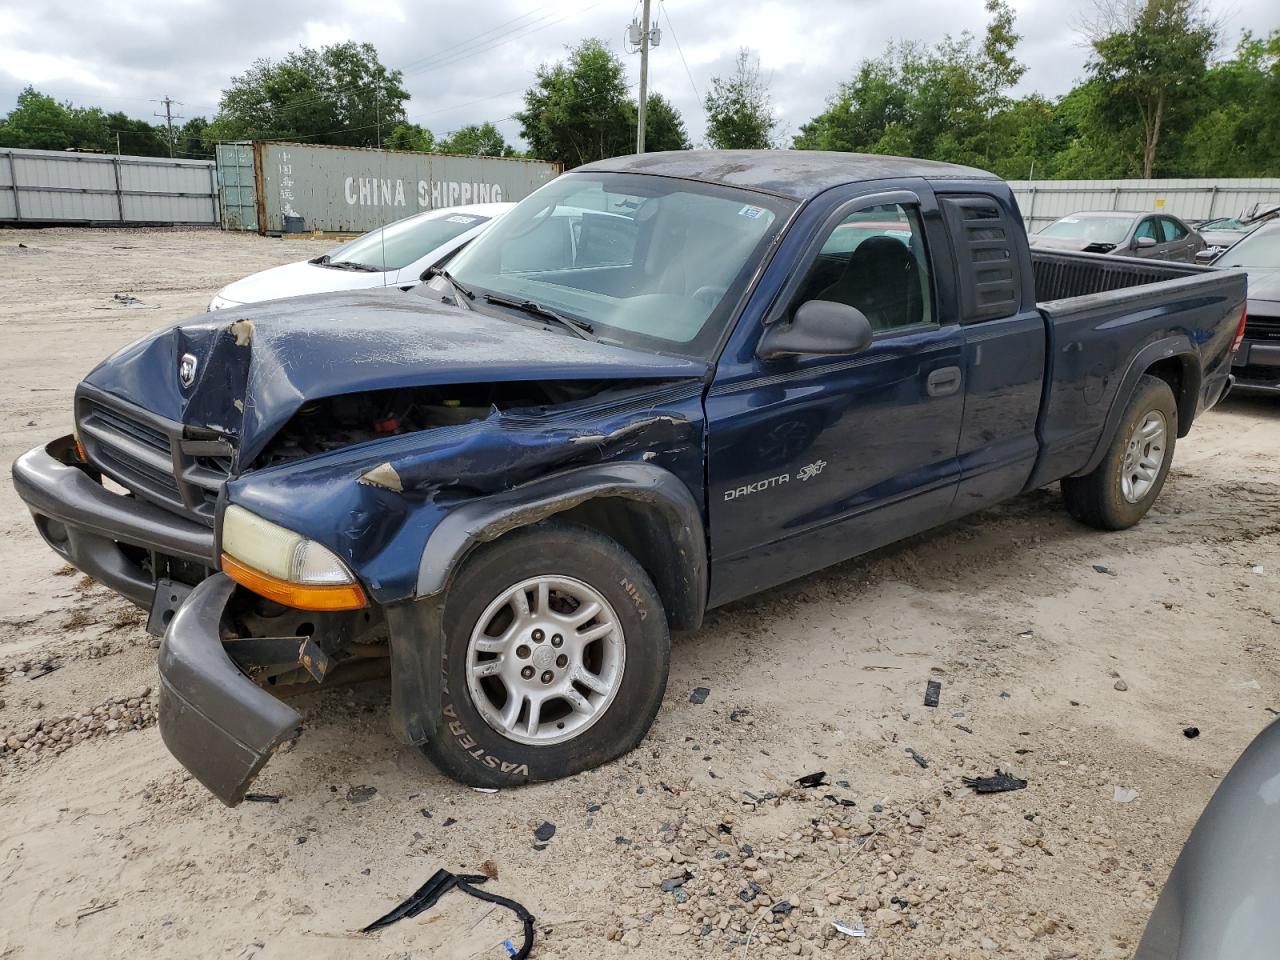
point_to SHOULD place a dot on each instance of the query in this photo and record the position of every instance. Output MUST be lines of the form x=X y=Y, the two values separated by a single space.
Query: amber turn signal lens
x=300 y=596
x=84 y=457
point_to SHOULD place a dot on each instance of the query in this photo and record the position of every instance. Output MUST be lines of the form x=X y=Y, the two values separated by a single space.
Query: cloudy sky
x=467 y=62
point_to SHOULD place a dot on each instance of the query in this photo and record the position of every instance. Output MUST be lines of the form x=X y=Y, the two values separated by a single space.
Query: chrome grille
x=151 y=457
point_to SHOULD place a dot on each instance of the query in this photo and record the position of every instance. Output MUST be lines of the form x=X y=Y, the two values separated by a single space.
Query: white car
x=397 y=255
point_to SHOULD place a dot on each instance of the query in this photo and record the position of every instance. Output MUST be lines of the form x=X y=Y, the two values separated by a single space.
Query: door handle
x=944 y=381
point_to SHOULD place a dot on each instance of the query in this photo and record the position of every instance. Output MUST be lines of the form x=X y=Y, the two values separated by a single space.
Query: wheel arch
x=1173 y=360
x=647 y=509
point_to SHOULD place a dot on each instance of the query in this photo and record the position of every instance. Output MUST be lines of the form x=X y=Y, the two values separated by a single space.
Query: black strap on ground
x=441 y=882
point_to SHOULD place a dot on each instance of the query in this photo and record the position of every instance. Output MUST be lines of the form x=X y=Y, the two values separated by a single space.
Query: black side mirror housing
x=819 y=328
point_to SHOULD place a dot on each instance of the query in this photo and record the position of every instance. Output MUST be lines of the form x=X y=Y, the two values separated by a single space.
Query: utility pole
x=644 y=35
x=169 y=117
x=377 y=113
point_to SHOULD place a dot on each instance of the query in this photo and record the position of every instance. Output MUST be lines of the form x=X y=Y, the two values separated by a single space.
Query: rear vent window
x=986 y=255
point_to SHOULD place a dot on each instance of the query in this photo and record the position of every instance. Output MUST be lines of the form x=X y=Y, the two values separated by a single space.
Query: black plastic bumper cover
x=217 y=722
x=86 y=523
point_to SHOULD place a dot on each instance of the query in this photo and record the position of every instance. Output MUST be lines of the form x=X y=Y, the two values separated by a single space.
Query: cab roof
x=793 y=174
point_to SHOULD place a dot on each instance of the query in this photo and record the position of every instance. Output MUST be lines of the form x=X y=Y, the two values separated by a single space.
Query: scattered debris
x=699 y=695
x=920 y=761
x=489 y=869
x=427 y=895
x=1257 y=568
x=1191 y=732
x=485 y=789
x=261 y=798
x=546 y=830
x=1124 y=795
x=842 y=801
x=810 y=780
x=737 y=715
x=782 y=908
x=962 y=727
x=749 y=892
x=932 y=690
x=1000 y=783
x=1102 y=569
x=361 y=794
x=854 y=930
x=675 y=883
x=1121 y=686
x=448 y=822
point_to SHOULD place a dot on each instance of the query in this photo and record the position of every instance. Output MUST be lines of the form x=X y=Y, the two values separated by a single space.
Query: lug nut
x=538 y=636
x=523 y=652
x=557 y=640
x=562 y=661
x=547 y=676
x=527 y=673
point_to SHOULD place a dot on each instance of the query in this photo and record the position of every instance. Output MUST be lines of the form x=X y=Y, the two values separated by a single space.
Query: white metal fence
x=49 y=186
x=1044 y=201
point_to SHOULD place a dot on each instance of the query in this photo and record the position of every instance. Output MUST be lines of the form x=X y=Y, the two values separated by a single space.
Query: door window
x=874 y=259
x=1173 y=230
x=1148 y=228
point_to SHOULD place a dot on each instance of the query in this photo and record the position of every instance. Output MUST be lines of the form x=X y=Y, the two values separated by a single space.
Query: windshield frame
x=715 y=329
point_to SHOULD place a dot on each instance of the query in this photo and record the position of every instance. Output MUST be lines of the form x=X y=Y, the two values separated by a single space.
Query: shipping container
x=1044 y=201
x=57 y=187
x=308 y=187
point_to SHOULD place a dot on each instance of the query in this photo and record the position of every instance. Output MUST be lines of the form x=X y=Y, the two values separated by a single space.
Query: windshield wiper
x=458 y=287
x=579 y=327
x=352 y=265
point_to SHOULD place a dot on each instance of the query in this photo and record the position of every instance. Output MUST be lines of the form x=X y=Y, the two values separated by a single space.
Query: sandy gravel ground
x=1080 y=680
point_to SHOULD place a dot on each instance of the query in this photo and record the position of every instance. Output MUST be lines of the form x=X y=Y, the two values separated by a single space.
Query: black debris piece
x=545 y=831
x=722 y=854
x=448 y=822
x=921 y=762
x=876 y=808
x=299 y=840
x=1000 y=783
x=1101 y=569
x=699 y=694
x=747 y=850
x=811 y=780
x=737 y=715
x=842 y=801
x=724 y=828
x=426 y=896
x=1191 y=732
x=593 y=808
x=675 y=883
x=361 y=794
x=425 y=812
x=782 y=908
x=961 y=726
x=749 y=892
x=539 y=846
x=843 y=783
x=261 y=798
x=621 y=841
x=932 y=690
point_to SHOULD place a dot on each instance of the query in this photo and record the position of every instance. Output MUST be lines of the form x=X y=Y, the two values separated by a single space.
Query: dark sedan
x=1257 y=362
x=1158 y=236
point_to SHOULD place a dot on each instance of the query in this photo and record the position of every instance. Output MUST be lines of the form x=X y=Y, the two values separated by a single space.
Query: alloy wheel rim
x=1144 y=455
x=545 y=660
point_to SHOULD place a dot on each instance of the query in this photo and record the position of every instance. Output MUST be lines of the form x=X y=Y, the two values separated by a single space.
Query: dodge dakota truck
x=659 y=384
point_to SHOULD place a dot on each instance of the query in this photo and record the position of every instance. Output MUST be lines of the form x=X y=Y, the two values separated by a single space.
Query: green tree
x=1236 y=135
x=340 y=94
x=663 y=126
x=941 y=102
x=482 y=140
x=1149 y=60
x=577 y=110
x=410 y=136
x=739 y=109
x=191 y=140
x=37 y=122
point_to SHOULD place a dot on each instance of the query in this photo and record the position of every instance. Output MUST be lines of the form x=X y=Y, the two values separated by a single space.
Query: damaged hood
x=252 y=368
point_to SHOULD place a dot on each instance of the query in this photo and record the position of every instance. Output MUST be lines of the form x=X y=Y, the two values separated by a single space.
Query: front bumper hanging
x=215 y=721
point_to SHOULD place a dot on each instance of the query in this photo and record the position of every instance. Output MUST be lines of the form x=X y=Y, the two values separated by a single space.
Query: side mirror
x=819 y=327
x=1142 y=243
x=1207 y=255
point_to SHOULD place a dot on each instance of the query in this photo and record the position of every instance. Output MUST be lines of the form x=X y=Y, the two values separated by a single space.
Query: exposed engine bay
x=338 y=422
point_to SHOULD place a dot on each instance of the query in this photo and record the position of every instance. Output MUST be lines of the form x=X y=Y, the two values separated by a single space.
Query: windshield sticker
x=752 y=212
x=459 y=219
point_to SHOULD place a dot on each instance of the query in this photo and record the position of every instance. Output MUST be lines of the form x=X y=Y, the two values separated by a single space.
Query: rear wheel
x=556 y=658
x=1120 y=491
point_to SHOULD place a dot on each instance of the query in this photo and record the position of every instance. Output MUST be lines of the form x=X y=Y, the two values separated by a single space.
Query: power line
x=672 y=27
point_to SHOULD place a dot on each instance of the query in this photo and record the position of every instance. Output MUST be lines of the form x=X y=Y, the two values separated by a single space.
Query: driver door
x=813 y=459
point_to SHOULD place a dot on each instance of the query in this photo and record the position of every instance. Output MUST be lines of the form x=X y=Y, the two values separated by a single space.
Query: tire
x=579 y=565
x=1120 y=491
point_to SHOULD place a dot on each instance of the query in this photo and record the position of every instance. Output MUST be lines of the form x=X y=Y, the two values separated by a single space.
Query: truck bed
x=1109 y=318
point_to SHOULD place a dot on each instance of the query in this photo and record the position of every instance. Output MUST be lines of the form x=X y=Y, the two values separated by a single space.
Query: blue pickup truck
x=661 y=383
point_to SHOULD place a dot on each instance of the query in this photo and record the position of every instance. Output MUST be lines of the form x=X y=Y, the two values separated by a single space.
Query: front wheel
x=556 y=658
x=1120 y=491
